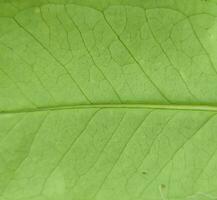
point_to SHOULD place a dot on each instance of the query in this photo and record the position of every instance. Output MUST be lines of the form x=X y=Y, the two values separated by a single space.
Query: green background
x=108 y=100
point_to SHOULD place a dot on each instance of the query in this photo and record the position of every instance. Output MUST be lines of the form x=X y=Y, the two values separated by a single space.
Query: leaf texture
x=108 y=100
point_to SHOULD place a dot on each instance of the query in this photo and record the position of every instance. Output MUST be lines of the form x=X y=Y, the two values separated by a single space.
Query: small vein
x=201 y=44
x=27 y=155
x=101 y=152
x=32 y=70
x=91 y=57
x=49 y=52
x=188 y=18
x=11 y=129
x=67 y=35
x=158 y=135
x=133 y=57
x=168 y=58
x=120 y=154
x=18 y=87
x=160 y=132
x=68 y=149
x=206 y=166
x=47 y=25
x=174 y=154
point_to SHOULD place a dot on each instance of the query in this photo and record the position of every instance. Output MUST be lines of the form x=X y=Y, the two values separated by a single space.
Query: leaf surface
x=108 y=99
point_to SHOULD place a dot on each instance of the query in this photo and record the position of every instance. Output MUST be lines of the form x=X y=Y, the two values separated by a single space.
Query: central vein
x=116 y=106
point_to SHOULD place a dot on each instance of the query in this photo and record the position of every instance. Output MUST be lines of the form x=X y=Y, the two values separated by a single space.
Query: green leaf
x=108 y=100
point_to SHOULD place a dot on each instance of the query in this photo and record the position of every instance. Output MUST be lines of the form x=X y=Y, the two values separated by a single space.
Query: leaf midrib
x=208 y=108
